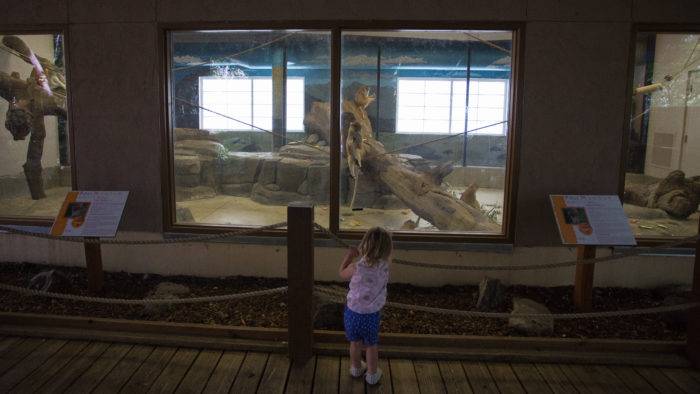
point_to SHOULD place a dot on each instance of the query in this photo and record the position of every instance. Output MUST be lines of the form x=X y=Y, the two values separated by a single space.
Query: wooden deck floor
x=30 y=365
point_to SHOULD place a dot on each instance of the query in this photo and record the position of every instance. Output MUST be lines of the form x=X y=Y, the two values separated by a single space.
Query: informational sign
x=591 y=220
x=90 y=214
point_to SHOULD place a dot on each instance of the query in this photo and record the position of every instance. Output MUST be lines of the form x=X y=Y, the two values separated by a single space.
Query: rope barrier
x=604 y=259
x=145 y=301
x=336 y=295
x=198 y=238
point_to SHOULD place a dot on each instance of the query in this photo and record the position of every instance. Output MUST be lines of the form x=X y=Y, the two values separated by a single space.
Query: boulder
x=241 y=167
x=183 y=215
x=237 y=189
x=187 y=165
x=318 y=180
x=187 y=180
x=207 y=148
x=312 y=139
x=164 y=291
x=492 y=294
x=264 y=195
x=291 y=173
x=319 y=154
x=194 y=193
x=527 y=325
x=268 y=173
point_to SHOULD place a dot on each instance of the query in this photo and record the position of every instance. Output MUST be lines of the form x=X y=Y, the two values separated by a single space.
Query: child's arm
x=347 y=267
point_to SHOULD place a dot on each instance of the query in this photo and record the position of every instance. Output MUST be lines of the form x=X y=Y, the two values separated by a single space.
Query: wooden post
x=279 y=97
x=583 y=283
x=300 y=279
x=693 y=344
x=93 y=261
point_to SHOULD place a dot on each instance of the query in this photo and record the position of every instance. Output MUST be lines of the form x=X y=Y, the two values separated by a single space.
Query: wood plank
x=72 y=371
x=583 y=279
x=300 y=279
x=632 y=379
x=606 y=379
x=505 y=378
x=102 y=366
x=403 y=376
x=198 y=374
x=429 y=378
x=385 y=385
x=126 y=367
x=326 y=376
x=347 y=384
x=173 y=373
x=274 y=378
x=17 y=352
x=8 y=342
x=658 y=380
x=682 y=379
x=595 y=379
x=250 y=373
x=454 y=377
x=301 y=377
x=479 y=378
x=555 y=378
x=149 y=371
x=225 y=372
x=29 y=364
x=579 y=379
x=32 y=382
x=530 y=378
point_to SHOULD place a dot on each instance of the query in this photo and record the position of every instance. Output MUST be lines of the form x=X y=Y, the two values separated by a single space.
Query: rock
x=318 y=180
x=329 y=316
x=530 y=326
x=164 y=291
x=237 y=189
x=183 y=215
x=644 y=213
x=51 y=280
x=306 y=152
x=291 y=173
x=187 y=165
x=263 y=195
x=272 y=187
x=192 y=134
x=194 y=193
x=491 y=294
x=268 y=173
x=304 y=187
x=241 y=167
x=312 y=139
x=208 y=148
x=322 y=143
x=187 y=180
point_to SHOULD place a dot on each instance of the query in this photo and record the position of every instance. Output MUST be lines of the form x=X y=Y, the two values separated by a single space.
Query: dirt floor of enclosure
x=24 y=206
x=271 y=311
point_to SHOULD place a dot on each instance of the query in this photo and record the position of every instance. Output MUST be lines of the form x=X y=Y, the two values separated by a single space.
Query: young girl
x=366 y=297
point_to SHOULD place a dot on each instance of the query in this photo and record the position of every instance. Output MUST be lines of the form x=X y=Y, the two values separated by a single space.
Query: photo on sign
x=575 y=215
x=77 y=212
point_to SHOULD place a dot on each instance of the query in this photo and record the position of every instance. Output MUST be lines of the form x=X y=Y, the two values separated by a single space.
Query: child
x=366 y=297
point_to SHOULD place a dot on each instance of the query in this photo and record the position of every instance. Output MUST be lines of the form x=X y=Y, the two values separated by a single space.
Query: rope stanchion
x=562 y=264
x=336 y=295
x=198 y=238
x=144 y=301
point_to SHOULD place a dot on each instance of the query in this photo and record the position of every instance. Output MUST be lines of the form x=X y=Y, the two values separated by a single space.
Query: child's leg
x=372 y=359
x=356 y=354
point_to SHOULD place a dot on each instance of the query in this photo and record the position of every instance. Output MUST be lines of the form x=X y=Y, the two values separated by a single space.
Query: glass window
x=425 y=130
x=241 y=101
x=662 y=181
x=34 y=146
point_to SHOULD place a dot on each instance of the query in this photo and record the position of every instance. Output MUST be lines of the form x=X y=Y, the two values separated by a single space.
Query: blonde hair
x=375 y=245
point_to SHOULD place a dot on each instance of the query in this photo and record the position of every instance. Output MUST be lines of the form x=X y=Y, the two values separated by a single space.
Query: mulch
x=271 y=311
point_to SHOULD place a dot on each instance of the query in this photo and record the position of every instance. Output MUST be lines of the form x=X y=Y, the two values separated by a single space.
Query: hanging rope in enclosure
x=338 y=295
x=604 y=259
x=197 y=238
x=144 y=301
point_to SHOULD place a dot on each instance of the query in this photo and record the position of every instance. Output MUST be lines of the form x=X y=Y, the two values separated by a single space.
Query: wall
x=574 y=94
x=14 y=153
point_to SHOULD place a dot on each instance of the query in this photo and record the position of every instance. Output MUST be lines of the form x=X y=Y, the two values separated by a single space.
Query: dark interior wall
x=573 y=104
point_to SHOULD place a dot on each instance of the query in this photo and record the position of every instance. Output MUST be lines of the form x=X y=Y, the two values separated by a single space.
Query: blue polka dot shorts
x=362 y=327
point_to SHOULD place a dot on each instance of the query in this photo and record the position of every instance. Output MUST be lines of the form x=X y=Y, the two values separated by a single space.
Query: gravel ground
x=271 y=311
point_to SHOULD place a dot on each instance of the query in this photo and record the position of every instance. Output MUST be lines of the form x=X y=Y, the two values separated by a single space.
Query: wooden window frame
x=64 y=31
x=336 y=28
x=636 y=29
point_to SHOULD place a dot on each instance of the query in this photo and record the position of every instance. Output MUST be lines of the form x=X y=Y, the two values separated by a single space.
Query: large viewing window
x=35 y=165
x=422 y=145
x=662 y=181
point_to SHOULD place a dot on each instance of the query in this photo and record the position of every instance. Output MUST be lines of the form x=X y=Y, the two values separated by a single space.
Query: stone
x=312 y=139
x=491 y=294
x=305 y=152
x=194 y=193
x=183 y=215
x=51 y=280
x=241 y=167
x=263 y=195
x=644 y=213
x=304 y=187
x=208 y=148
x=329 y=316
x=318 y=182
x=322 y=143
x=164 y=291
x=268 y=173
x=237 y=189
x=187 y=165
x=530 y=326
x=291 y=173
x=187 y=180
x=272 y=187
